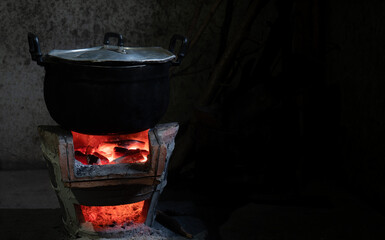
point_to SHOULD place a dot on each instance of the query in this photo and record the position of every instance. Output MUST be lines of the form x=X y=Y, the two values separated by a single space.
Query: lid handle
x=34 y=48
x=109 y=35
x=182 y=49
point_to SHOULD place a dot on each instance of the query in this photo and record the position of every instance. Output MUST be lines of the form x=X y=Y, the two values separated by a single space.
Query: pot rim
x=113 y=55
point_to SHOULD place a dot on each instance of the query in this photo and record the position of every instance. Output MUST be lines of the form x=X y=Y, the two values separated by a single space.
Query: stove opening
x=104 y=218
x=111 y=149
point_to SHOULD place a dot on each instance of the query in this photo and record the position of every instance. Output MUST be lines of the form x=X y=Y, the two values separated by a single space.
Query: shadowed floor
x=29 y=210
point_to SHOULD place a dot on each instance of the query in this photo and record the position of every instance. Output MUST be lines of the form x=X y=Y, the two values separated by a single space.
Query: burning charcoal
x=89 y=150
x=132 y=152
x=130 y=156
x=129 y=151
x=102 y=159
x=144 y=152
x=121 y=150
x=81 y=157
x=129 y=143
x=92 y=159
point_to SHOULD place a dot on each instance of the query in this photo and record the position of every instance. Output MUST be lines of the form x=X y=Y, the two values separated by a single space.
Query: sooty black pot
x=108 y=89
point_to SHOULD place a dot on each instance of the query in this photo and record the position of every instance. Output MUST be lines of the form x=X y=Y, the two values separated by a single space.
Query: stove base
x=109 y=190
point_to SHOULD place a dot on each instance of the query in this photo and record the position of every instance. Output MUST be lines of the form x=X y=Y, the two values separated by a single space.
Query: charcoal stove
x=106 y=200
x=108 y=157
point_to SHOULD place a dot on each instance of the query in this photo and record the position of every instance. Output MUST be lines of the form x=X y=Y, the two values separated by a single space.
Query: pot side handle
x=108 y=35
x=182 y=49
x=34 y=49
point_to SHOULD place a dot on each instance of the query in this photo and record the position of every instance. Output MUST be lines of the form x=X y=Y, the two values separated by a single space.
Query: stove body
x=106 y=200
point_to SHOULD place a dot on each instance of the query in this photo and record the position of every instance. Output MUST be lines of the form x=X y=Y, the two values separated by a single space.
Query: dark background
x=297 y=113
x=278 y=104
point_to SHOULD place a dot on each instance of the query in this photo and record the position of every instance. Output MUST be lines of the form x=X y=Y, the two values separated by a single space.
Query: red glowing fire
x=103 y=217
x=111 y=149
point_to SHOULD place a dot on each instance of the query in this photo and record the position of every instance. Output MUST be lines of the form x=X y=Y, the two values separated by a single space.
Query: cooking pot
x=108 y=89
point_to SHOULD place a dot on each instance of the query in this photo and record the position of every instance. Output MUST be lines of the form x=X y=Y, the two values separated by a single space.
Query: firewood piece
x=102 y=159
x=144 y=152
x=128 y=143
x=81 y=157
x=130 y=156
x=171 y=224
x=125 y=151
x=92 y=159
x=130 y=151
x=120 y=152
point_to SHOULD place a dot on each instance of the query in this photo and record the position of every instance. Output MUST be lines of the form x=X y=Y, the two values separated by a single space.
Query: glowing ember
x=111 y=149
x=108 y=216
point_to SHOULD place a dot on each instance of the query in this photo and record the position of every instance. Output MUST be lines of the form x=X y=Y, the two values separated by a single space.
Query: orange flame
x=104 y=147
x=103 y=217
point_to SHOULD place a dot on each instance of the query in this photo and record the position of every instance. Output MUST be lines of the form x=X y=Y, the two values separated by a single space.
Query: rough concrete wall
x=66 y=25
x=355 y=35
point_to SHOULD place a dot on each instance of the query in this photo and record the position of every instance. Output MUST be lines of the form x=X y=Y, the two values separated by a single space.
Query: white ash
x=82 y=170
x=131 y=231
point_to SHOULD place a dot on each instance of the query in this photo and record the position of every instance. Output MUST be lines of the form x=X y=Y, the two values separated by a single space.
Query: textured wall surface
x=64 y=25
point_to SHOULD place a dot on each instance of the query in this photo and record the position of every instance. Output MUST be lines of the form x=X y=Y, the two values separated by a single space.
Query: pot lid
x=108 y=53
x=116 y=54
